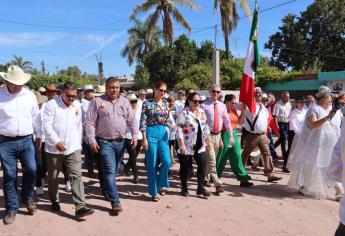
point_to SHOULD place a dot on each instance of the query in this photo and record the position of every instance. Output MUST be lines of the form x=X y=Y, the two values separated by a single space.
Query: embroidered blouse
x=154 y=114
x=187 y=129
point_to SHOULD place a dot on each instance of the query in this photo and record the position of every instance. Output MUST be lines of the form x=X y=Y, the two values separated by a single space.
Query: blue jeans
x=157 y=138
x=283 y=129
x=111 y=153
x=271 y=145
x=12 y=149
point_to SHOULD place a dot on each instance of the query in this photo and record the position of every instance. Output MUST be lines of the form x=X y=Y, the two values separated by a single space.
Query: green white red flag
x=251 y=64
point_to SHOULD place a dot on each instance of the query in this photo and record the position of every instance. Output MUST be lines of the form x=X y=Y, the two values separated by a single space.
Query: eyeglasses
x=216 y=91
x=197 y=101
x=162 y=90
x=70 y=96
x=133 y=102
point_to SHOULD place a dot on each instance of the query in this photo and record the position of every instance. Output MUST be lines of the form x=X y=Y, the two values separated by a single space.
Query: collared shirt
x=62 y=123
x=297 y=119
x=282 y=111
x=261 y=124
x=179 y=105
x=109 y=120
x=187 y=129
x=137 y=119
x=140 y=104
x=154 y=114
x=208 y=107
x=84 y=108
x=19 y=113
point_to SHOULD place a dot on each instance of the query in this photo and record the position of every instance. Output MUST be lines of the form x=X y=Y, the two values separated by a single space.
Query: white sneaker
x=68 y=187
x=39 y=191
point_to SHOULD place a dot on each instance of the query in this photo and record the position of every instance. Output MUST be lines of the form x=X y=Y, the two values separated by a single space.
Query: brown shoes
x=116 y=209
x=9 y=218
x=31 y=206
x=219 y=189
x=273 y=179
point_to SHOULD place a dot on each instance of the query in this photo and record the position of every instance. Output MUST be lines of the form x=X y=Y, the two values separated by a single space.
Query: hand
x=208 y=144
x=60 y=146
x=134 y=143
x=145 y=145
x=182 y=149
x=232 y=140
x=243 y=107
x=278 y=135
x=331 y=115
x=221 y=145
x=94 y=147
x=38 y=144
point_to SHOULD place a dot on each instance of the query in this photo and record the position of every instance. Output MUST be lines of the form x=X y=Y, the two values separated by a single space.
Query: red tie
x=216 y=119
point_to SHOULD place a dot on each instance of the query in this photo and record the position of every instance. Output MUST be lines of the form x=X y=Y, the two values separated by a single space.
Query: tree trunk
x=227 y=49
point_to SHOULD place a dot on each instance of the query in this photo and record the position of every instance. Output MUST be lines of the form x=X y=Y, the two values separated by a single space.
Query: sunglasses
x=162 y=90
x=134 y=101
x=215 y=91
x=70 y=96
x=197 y=101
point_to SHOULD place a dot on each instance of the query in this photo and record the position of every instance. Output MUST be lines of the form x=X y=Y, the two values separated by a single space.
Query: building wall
x=336 y=86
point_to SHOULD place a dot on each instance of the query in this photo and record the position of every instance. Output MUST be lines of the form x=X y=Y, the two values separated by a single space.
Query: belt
x=14 y=138
x=213 y=133
x=112 y=140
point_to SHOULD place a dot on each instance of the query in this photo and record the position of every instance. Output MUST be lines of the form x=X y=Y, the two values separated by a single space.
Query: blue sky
x=100 y=26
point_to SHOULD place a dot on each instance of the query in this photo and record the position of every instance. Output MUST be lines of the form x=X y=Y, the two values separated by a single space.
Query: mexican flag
x=251 y=63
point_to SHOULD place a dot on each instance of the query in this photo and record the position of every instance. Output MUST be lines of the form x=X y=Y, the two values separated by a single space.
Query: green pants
x=72 y=163
x=234 y=155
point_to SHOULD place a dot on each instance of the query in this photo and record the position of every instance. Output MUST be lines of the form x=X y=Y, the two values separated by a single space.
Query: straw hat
x=42 y=89
x=51 y=87
x=100 y=90
x=132 y=97
x=15 y=75
x=88 y=87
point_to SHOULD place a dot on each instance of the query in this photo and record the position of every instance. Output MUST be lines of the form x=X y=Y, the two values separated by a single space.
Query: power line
x=309 y=52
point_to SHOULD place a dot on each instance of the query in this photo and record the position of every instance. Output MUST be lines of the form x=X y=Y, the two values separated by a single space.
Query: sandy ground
x=265 y=209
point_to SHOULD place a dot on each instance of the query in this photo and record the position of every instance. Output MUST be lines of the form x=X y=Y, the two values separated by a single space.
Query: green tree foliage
x=141 y=77
x=313 y=41
x=199 y=76
x=167 y=11
x=231 y=74
x=26 y=66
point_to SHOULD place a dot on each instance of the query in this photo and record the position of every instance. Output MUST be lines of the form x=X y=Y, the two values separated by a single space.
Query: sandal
x=162 y=192
x=155 y=199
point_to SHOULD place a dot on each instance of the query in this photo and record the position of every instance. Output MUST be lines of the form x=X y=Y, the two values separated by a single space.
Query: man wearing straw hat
x=18 y=115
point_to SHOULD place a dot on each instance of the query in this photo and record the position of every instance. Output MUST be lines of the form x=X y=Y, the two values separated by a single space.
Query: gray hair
x=257 y=89
x=215 y=86
x=323 y=92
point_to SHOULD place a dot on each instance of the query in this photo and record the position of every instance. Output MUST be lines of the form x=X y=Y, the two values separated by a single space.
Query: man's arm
x=90 y=124
x=51 y=136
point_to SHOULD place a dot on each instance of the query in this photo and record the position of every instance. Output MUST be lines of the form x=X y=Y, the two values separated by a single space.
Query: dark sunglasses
x=215 y=91
x=162 y=90
x=134 y=101
x=197 y=101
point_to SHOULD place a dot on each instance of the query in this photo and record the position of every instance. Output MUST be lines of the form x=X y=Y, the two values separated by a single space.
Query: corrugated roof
x=332 y=75
x=294 y=85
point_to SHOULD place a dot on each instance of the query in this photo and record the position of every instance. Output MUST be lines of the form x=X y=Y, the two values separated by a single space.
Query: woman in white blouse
x=193 y=138
x=296 y=121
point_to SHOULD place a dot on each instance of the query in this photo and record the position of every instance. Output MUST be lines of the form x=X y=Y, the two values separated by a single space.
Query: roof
x=332 y=75
x=306 y=85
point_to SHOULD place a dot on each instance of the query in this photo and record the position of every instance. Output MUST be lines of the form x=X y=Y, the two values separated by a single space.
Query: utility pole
x=215 y=60
x=100 y=68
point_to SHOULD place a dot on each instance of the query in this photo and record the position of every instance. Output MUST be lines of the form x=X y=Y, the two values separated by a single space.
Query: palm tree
x=26 y=66
x=140 y=40
x=229 y=17
x=168 y=11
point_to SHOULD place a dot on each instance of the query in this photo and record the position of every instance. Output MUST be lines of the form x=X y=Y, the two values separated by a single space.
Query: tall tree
x=229 y=17
x=167 y=10
x=141 y=39
x=313 y=41
x=25 y=65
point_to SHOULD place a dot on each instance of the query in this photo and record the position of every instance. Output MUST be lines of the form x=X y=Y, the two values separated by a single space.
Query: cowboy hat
x=15 y=75
x=132 y=97
x=100 y=89
x=88 y=87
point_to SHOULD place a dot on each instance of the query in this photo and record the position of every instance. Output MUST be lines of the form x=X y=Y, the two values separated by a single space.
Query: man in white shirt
x=142 y=98
x=88 y=96
x=281 y=112
x=18 y=115
x=255 y=127
x=180 y=102
x=62 y=126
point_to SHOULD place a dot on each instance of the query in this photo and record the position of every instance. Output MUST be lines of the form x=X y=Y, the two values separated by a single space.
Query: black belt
x=115 y=140
x=213 y=133
x=14 y=138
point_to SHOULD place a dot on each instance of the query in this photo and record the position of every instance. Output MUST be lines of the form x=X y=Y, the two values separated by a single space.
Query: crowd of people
x=48 y=134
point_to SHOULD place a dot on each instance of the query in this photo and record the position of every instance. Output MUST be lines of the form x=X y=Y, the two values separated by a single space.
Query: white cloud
x=29 y=39
x=104 y=43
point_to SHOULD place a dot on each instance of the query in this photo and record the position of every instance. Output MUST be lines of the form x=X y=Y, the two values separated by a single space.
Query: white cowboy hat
x=15 y=75
x=100 y=90
x=131 y=97
x=88 y=87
